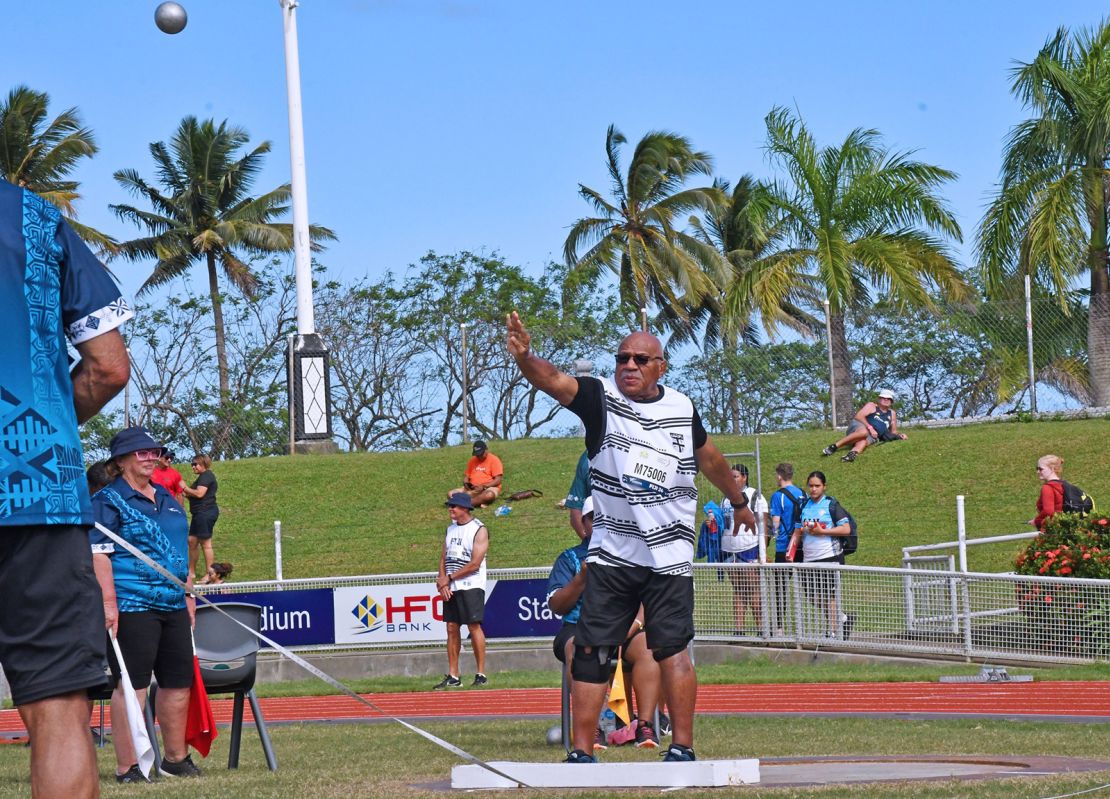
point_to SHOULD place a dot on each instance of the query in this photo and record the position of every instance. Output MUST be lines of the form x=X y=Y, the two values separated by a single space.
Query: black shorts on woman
x=613 y=596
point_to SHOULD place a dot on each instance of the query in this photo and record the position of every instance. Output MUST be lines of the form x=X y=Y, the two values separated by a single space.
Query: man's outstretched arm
x=540 y=373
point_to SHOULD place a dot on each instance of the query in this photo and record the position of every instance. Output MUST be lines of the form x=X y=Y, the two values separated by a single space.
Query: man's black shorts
x=202 y=525
x=559 y=644
x=51 y=612
x=613 y=595
x=158 y=642
x=465 y=607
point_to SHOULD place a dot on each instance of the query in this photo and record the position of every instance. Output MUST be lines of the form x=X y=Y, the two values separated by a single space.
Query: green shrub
x=1070 y=546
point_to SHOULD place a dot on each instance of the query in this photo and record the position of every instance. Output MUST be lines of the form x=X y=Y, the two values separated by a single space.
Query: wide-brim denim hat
x=132 y=439
x=460 y=499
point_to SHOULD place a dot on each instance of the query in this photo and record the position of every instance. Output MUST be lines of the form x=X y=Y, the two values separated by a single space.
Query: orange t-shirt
x=480 y=473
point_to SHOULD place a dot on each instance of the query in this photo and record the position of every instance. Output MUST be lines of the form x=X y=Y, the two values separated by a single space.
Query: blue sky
x=450 y=124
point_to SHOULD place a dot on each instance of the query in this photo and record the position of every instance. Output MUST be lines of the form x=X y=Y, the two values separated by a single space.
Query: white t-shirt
x=746 y=538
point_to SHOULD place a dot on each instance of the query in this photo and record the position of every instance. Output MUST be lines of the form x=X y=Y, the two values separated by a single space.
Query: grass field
x=378 y=513
x=384 y=761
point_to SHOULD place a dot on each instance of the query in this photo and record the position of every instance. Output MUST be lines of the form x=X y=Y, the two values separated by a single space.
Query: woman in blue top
x=150 y=616
x=824 y=522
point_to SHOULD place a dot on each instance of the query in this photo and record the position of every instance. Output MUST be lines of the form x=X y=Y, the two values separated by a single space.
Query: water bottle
x=607 y=721
x=503 y=510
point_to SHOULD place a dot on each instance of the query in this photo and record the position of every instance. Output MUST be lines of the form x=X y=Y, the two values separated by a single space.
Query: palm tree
x=1049 y=218
x=636 y=235
x=743 y=230
x=860 y=221
x=40 y=153
x=205 y=214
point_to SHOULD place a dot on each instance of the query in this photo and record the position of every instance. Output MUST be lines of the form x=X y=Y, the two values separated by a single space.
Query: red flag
x=200 y=724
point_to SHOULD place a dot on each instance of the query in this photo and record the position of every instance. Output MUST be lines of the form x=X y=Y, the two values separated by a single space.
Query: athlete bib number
x=649 y=470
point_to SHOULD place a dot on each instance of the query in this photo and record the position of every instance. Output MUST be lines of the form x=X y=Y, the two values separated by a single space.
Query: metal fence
x=971 y=359
x=904 y=611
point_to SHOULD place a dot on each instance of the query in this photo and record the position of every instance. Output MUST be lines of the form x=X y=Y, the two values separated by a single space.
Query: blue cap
x=460 y=499
x=131 y=439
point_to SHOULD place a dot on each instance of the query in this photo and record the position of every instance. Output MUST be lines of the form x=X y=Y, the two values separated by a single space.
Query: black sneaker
x=181 y=768
x=851 y=456
x=664 y=724
x=480 y=679
x=677 y=753
x=448 y=682
x=578 y=756
x=829 y=450
x=646 y=737
x=133 y=774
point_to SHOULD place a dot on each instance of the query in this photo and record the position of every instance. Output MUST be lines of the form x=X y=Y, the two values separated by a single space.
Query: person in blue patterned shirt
x=151 y=616
x=51 y=621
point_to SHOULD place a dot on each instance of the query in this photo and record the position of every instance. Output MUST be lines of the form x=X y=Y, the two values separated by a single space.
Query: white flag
x=135 y=719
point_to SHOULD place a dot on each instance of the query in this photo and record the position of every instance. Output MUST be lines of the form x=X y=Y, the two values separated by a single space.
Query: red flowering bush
x=1069 y=547
x=1068 y=618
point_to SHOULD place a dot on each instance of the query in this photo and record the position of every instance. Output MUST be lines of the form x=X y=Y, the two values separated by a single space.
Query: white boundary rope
x=304 y=664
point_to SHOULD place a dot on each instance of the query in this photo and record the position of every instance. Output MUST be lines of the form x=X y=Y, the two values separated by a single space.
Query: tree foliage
x=1048 y=219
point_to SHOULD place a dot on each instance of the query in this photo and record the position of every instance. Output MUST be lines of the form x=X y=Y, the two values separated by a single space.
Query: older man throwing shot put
x=646 y=443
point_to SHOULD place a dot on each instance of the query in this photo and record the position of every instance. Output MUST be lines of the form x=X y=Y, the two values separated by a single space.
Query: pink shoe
x=625 y=735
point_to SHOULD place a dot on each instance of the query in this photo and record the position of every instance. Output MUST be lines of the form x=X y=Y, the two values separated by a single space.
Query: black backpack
x=797 y=502
x=850 y=542
x=1076 y=500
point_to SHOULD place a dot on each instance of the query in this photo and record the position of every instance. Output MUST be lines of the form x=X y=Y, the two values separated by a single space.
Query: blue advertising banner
x=518 y=609
x=291 y=618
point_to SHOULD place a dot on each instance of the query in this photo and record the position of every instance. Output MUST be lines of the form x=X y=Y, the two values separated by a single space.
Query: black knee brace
x=670 y=651
x=593 y=667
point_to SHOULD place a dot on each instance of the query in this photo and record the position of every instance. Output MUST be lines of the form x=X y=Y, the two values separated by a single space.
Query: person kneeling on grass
x=564 y=596
x=462 y=584
x=874 y=423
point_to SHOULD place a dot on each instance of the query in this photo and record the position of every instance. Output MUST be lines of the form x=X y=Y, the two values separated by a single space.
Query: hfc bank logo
x=399 y=614
x=369 y=614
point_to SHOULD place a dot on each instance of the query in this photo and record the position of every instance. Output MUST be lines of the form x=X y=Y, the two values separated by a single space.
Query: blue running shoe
x=578 y=756
x=677 y=753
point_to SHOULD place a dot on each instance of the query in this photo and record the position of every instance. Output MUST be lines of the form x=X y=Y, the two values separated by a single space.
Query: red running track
x=1079 y=699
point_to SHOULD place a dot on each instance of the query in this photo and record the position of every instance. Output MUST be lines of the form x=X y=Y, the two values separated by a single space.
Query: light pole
x=309 y=376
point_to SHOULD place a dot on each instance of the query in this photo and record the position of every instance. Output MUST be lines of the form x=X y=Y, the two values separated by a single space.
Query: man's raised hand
x=519 y=340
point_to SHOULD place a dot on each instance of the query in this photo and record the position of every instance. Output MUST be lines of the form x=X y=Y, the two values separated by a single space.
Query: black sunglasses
x=639 y=358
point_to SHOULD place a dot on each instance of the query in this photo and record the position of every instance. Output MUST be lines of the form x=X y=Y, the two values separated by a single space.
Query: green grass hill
x=380 y=513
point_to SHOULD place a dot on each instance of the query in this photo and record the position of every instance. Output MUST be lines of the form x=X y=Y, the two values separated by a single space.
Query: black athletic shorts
x=51 y=612
x=465 y=607
x=202 y=525
x=613 y=595
x=819 y=584
x=155 y=641
x=559 y=644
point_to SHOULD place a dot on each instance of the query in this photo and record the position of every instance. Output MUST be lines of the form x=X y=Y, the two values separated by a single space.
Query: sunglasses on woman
x=639 y=358
x=148 y=454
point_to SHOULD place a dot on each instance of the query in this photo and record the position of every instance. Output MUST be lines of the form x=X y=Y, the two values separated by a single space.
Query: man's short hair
x=785 y=471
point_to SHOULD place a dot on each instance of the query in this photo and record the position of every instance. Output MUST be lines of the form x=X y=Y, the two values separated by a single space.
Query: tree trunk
x=223 y=430
x=1098 y=319
x=1098 y=342
x=731 y=348
x=842 y=372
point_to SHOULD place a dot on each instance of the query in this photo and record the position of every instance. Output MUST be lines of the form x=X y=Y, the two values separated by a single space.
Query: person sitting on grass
x=564 y=597
x=874 y=423
x=483 y=475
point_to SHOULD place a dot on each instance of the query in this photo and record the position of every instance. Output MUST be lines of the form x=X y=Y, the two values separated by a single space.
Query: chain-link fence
x=403 y=375
x=935 y=612
x=930 y=612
